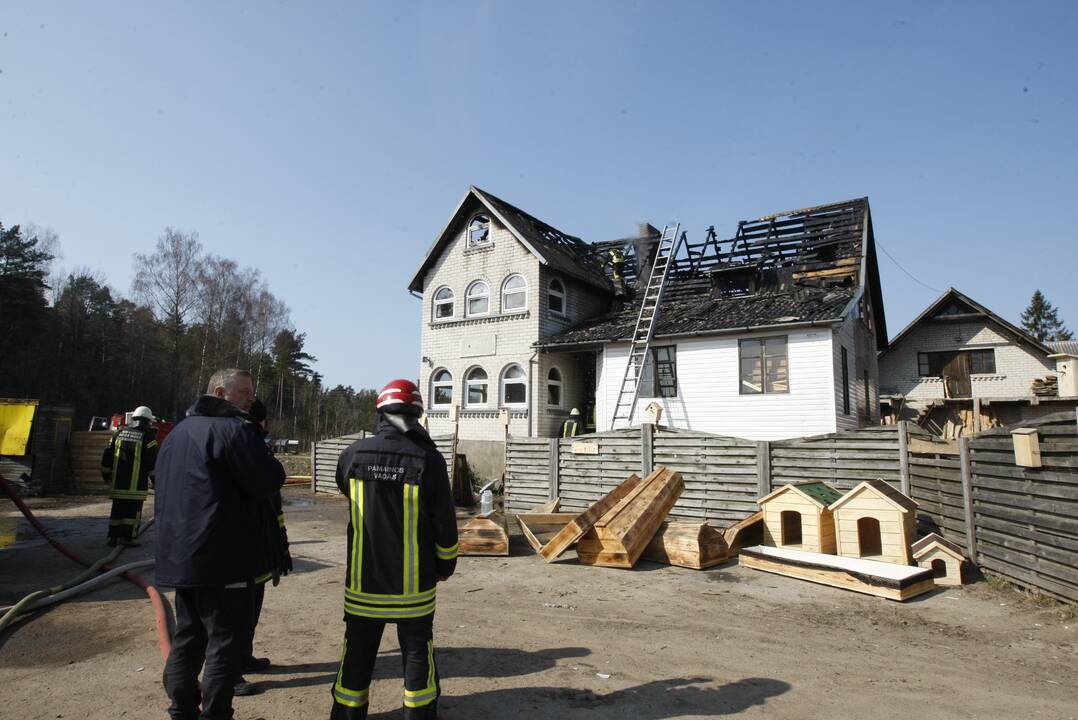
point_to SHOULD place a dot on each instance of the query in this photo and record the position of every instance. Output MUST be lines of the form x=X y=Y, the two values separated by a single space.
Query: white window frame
x=516 y=291
x=561 y=294
x=436 y=384
x=472 y=295
x=468 y=382
x=436 y=303
x=555 y=382
x=468 y=242
x=522 y=380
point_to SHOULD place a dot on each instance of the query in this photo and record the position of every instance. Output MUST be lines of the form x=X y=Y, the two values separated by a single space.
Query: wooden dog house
x=875 y=521
x=799 y=517
x=941 y=556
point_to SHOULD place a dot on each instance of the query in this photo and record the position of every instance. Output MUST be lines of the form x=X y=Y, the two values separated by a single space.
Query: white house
x=959 y=355
x=770 y=334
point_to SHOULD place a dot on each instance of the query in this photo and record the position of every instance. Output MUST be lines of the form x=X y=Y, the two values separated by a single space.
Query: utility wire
x=899 y=266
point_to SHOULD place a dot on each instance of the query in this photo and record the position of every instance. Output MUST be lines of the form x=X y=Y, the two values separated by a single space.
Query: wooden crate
x=540 y=528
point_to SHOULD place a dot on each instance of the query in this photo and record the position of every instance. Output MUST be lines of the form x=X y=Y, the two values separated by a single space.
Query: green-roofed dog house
x=798 y=517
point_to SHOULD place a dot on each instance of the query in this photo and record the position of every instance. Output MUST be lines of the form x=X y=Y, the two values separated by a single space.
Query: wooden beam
x=763 y=467
x=967 y=498
x=904 y=457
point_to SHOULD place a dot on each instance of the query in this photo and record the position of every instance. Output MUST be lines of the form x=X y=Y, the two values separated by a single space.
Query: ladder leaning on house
x=645 y=325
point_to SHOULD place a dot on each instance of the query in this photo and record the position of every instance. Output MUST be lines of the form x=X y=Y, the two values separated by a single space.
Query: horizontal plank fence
x=841 y=460
x=324 y=455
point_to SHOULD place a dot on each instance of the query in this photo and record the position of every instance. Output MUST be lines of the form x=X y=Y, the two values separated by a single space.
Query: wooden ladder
x=645 y=325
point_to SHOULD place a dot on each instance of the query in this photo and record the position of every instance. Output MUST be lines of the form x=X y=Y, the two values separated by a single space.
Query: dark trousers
x=211 y=627
x=125 y=518
x=361 y=640
x=258 y=595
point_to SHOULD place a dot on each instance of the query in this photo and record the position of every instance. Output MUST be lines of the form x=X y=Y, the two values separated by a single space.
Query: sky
x=327 y=144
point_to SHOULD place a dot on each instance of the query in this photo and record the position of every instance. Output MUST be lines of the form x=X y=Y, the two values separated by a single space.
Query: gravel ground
x=517 y=636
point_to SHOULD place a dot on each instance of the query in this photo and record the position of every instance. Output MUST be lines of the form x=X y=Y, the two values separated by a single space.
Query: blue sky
x=327 y=143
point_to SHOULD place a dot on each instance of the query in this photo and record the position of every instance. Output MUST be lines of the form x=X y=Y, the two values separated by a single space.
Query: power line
x=899 y=266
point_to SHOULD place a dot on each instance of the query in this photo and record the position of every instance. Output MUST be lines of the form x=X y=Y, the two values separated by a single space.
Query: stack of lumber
x=86 y=451
x=1046 y=387
x=619 y=537
x=580 y=524
x=483 y=535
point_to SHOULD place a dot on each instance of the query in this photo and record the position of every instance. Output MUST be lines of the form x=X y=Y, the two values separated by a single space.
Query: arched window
x=556 y=297
x=441 y=388
x=479 y=231
x=475 y=387
x=514 y=294
x=478 y=299
x=443 y=304
x=553 y=388
x=514 y=386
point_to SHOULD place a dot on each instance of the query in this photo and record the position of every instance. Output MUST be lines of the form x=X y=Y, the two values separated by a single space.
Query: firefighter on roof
x=127 y=464
x=402 y=540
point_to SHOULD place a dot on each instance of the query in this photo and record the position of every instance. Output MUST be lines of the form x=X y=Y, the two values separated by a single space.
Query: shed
x=875 y=521
x=938 y=554
x=799 y=516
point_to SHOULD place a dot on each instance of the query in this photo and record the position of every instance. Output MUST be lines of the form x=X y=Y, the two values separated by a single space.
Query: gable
x=819 y=494
x=879 y=489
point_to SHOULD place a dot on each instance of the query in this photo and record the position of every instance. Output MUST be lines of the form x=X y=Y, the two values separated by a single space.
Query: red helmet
x=400 y=396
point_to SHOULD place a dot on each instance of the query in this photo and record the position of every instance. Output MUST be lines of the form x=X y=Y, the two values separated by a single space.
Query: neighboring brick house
x=958 y=355
x=767 y=335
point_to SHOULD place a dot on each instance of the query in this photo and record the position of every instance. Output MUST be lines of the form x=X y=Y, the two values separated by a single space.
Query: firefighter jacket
x=216 y=481
x=402 y=529
x=128 y=463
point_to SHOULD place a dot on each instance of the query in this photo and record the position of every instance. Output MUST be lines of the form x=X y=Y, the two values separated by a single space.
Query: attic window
x=479 y=231
x=556 y=297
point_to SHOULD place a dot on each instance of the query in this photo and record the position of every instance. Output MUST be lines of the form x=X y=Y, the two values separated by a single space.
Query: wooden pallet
x=872 y=577
x=687 y=544
x=583 y=522
x=540 y=528
x=484 y=535
x=620 y=536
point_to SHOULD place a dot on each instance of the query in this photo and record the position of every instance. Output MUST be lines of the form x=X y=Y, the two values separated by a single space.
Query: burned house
x=771 y=333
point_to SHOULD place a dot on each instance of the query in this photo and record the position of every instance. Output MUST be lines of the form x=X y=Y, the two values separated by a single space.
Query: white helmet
x=574 y=411
x=142 y=412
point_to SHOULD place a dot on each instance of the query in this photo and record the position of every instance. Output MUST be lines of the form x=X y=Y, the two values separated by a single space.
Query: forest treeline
x=70 y=338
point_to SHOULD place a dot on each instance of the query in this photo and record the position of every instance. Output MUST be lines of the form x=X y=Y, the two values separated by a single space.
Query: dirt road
x=520 y=638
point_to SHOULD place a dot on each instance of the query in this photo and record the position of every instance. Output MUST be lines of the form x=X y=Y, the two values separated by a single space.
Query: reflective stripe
x=356 y=491
x=128 y=495
x=152 y=443
x=138 y=466
x=377 y=599
x=400 y=613
x=449 y=553
x=116 y=461
x=351 y=698
x=125 y=521
x=263 y=578
x=280 y=520
x=427 y=695
x=411 y=528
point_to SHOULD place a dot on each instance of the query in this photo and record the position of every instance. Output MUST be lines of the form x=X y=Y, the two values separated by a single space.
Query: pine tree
x=1041 y=320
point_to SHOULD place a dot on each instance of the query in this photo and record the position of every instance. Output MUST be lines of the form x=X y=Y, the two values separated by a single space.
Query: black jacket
x=213 y=476
x=128 y=463
x=402 y=528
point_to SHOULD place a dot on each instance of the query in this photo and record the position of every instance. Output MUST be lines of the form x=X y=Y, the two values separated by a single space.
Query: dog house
x=941 y=556
x=797 y=516
x=876 y=522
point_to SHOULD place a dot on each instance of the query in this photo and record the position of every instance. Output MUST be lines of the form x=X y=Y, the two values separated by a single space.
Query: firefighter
x=127 y=464
x=617 y=262
x=571 y=426
x=402 y=540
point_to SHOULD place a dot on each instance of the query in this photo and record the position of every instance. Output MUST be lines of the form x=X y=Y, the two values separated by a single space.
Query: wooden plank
x=585 y=520
x=871 y=577
x=539 y=528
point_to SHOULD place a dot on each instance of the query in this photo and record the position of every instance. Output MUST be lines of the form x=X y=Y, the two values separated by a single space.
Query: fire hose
x=160 y=616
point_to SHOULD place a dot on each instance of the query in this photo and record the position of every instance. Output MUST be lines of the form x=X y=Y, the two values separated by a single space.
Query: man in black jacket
x=402 y=540
x=213 y=474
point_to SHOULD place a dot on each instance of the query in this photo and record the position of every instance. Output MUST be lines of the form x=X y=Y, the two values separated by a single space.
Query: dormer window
x=478 y=299
x=443 y=304
x=556 y=297
x=479 y=231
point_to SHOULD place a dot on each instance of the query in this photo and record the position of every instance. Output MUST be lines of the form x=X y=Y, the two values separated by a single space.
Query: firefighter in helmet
x=617 y=262
x=571 y=426
x=402 y=540
x=127 y=464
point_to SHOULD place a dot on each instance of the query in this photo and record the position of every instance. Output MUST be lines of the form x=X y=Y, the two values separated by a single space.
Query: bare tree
x=218 y=290
x=167 y=281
